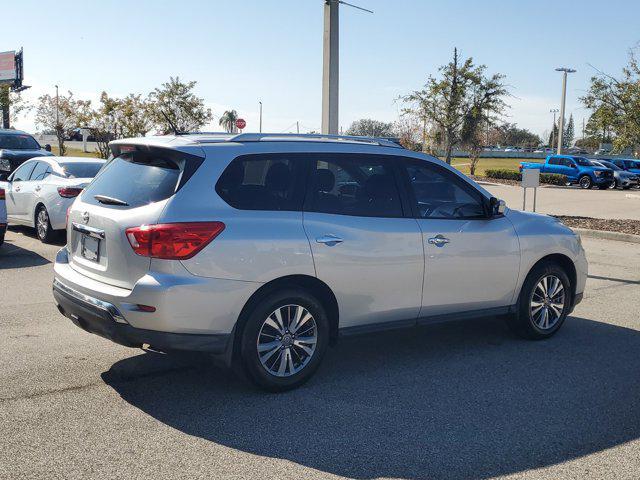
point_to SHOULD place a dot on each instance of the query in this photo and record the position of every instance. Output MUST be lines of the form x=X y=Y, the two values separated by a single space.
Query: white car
x=39 y=192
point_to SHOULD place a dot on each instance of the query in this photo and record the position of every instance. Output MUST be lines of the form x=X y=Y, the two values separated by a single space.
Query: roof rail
x=311 y=137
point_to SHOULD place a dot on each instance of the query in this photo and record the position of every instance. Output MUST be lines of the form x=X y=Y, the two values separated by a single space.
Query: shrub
x=504 y=174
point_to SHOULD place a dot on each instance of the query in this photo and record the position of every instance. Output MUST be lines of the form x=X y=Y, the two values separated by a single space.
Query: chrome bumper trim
x=88 y=300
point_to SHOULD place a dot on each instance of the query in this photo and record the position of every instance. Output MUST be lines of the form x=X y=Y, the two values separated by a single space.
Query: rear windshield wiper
x=110 y=200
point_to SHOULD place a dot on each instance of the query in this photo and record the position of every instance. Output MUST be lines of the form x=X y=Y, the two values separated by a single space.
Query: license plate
x=90 y=248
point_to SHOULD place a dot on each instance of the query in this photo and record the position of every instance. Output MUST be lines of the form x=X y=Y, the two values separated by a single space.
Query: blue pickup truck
x=577 y=170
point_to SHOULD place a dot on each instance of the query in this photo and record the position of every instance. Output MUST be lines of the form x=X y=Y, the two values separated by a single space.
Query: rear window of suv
x=135 y=179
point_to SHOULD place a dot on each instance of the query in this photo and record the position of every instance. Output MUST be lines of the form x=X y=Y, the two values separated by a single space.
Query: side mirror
x=573 y=165
x=47 y=147
x=497 y=207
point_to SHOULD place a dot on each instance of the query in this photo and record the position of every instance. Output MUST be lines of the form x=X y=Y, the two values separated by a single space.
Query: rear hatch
x=130 y=191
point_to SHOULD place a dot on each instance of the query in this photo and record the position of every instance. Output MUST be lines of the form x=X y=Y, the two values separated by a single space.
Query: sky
x=243 y=52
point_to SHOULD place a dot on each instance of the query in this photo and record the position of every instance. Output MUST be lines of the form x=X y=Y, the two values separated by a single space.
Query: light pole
x=260 y=116
x=330 y=65
x=553 y=129
x=564 y=71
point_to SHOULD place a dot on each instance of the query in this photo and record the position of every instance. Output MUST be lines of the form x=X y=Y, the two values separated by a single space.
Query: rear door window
x=23 y=172
x=353 y=184
x=136 y=178
x=264 y=182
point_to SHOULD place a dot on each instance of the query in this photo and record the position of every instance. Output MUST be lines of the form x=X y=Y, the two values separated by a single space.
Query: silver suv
x=264 y=249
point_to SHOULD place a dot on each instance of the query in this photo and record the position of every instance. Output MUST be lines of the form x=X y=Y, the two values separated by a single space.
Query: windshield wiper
x=110 y=200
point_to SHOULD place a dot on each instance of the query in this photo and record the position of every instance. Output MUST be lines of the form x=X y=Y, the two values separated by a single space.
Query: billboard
x=8 y=71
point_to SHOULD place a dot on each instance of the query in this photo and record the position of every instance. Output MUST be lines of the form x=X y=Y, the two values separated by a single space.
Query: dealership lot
x=464 y=400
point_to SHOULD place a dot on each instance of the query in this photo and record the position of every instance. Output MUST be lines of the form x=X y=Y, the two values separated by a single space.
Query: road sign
x=530 y=179
x=240 y=123
x=8 y=73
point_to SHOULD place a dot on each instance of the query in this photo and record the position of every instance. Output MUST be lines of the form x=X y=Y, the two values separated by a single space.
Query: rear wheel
x=544 y=302
x=585 y=182
x=43 y=225
x=614 y=185
x=284 y=340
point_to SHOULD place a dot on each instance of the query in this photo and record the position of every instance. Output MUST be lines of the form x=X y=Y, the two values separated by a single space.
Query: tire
x=585 y=182
x=529 y=323
x=43 y=225
x=614 y=185
x=290 y=349
x=1 y=238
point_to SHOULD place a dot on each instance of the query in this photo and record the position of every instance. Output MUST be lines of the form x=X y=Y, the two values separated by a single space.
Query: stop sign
x=240 y=123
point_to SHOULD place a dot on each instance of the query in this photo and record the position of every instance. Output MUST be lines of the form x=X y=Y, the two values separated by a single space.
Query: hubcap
x=287 y=340
x=42 y=223
x=585 y=182
x=547 y=302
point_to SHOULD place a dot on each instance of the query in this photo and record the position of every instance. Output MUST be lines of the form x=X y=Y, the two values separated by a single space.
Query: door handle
x=37 y=189
x=329 y=240
x=439 y=241
x=17 y=189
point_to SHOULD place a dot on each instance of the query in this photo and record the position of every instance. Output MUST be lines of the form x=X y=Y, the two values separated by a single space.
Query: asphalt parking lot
x=460 y=401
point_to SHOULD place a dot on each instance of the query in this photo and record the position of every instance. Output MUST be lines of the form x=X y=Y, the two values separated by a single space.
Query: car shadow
x=13 y=256
x=461 y=400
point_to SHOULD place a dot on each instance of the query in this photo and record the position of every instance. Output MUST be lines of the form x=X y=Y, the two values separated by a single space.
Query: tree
x=176 y=100
x=511 y=134
x=13 y=103
x=367 y=127
x=600 y=124
x=569 y=133
x=59 y=116
x=132 y=115
x=553 y=136
x=447 y=101
x=486 y=98
x=619 y=98
x=228 y=120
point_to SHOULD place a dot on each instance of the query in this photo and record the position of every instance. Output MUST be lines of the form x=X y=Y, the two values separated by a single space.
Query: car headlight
x=597 y=173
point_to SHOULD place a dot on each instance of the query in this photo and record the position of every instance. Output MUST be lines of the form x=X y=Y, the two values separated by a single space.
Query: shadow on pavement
x=13 y=256
x=464 y=400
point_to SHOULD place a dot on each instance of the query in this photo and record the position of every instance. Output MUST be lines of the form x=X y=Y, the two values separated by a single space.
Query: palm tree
x=228 y=120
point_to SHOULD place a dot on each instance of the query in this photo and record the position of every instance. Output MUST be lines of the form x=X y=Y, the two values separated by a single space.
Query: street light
x=553 y=129
x=564 y=71
x=260 y=116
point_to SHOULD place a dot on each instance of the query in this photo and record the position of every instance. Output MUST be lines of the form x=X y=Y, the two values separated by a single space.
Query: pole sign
x=8 y=73
x=240 y=123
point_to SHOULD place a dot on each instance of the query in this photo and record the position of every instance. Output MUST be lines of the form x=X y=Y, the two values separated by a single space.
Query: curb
x=607 y=235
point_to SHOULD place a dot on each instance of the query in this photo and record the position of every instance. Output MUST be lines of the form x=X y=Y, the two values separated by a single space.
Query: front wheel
x=585 y=182
x=544 y=302
x=284 y=340
x=43 y=225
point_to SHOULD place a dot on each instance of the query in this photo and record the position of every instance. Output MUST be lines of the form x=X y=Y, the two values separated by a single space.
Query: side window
x=554 y=161
x=440 y=194
x=357 y=185
x=40 y=172
x=23 y=172
x=264 y=182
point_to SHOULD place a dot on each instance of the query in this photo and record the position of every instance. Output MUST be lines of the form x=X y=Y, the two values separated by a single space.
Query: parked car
x=623 y=179
x=250 y=248
x=577 y=170
x=631 y=166
x=15 y=148
x=41 y=190
x=3 y=216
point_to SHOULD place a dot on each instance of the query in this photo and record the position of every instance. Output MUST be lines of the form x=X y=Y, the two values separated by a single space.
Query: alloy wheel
x=547 y=302
x=287 y=340
x=42 y=223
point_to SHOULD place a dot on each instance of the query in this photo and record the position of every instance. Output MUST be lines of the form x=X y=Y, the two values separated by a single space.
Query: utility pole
x=564 y=71
x=297 y=127
x=553 y=129
x=331 y=65
x=260 y=116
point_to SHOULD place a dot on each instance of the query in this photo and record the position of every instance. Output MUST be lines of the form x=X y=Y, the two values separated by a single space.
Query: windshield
x=14 y=141
x=582 y=161
x=81 y=170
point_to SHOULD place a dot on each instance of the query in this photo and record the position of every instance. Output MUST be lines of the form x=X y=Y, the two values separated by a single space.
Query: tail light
x=69 y=192
x=172 y=241
x=2 y=194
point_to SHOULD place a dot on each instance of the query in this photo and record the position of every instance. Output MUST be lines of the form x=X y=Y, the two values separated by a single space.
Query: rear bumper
x=104 y=319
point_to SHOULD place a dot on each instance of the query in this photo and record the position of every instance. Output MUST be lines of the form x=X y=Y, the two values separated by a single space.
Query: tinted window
x=358 y=185
x=440 y=194
x=18 y=142
x=582 y=161
x=263 y=182
x=135 y=179
x=554 y=161
x=40 y=172
x=81 y=170
x=23 y=173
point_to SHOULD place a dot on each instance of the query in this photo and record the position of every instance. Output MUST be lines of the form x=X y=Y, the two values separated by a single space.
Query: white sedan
x=39 y=192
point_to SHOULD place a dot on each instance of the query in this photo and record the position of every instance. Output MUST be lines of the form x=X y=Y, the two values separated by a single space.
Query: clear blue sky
x=271 y=50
